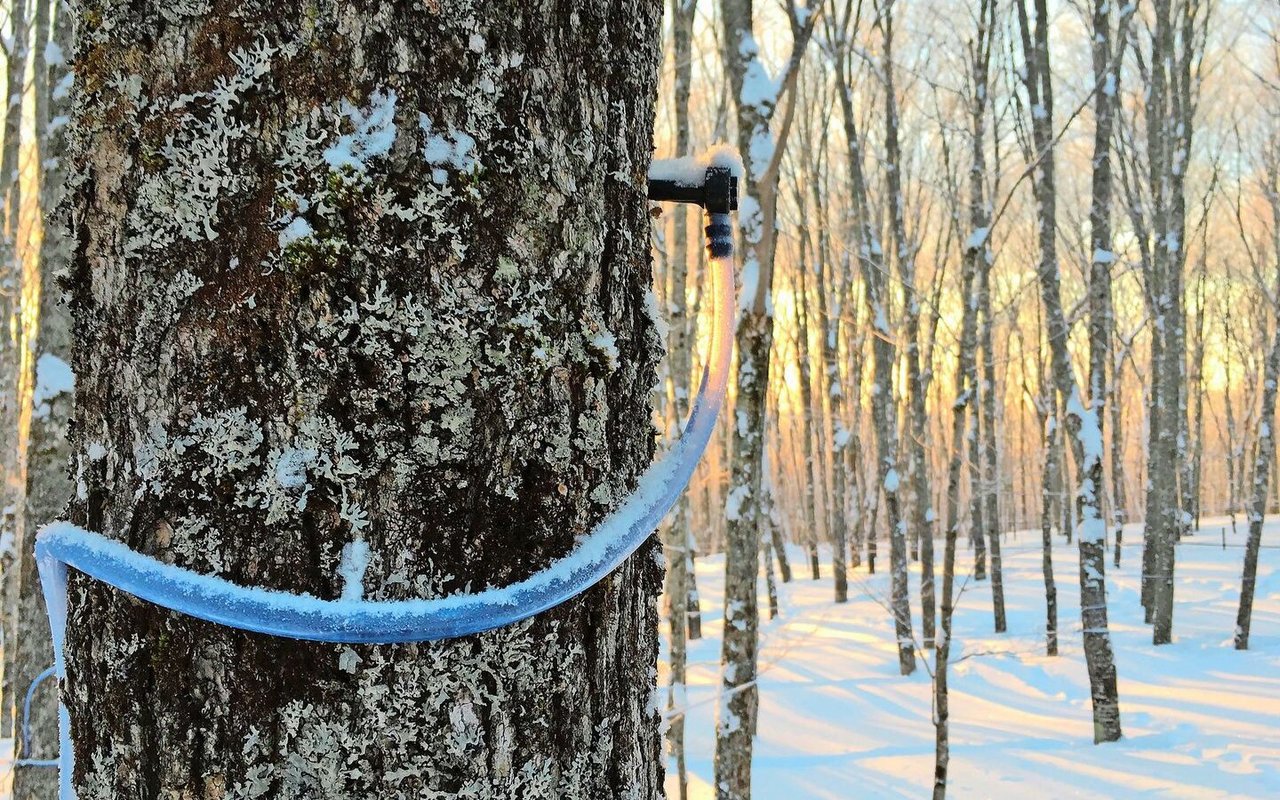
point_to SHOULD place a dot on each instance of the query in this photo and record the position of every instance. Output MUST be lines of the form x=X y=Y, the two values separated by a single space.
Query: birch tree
x=884 y=412
x=756 y=98
x=359 y=297
x=15 y=47
x=1083 y=429
x=1266 y=436
x=905 y=258
x=48 y=485
x=975 y=249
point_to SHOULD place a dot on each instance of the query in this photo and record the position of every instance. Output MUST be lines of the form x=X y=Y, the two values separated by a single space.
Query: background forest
x=999 y=447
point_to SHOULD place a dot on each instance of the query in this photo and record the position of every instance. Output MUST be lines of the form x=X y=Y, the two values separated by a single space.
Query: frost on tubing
x=711 y=182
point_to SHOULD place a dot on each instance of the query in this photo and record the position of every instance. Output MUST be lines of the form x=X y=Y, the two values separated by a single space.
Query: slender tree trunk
x=12 y=357
x=1119 y=499
x=736 y=722
x=977 y=530
x=770 y=522
x=1083 y=429
x=780 y=549
x=1258 y=502
x=883 y=409
x=317 y=360
x=832 y=393
x=49 y=487
x=849 y=431
x=811 y=475
x=1046 y=536
x=975 y=250
x=921 y=509
x=1266 y=436
x=683 y=333
x=1196 y=390
x=682 y=328
x=990 y=484
x=1175 y=44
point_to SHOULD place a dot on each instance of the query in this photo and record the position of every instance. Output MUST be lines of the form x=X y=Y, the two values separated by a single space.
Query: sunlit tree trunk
x=736 y=720
x=12 y=383
x=975 y=249
x=337 y=290
x=1266 y=436
x=49 y=487
x=831 y=390
x=849 y=428
x=883 y=408
x=679 y=544
x=1050 y=425
x=1083 y=430
x=1176 y=42
x=811 y=473
x=987 y=489
x=771 y=522
x=1119 y=497
x=1196 y=390
x=921 y=508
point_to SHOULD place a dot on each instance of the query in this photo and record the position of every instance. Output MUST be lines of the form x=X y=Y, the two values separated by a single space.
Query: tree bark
x=48 y=482
x=921 y=510
x=340 y=285
x=883 y=409
x=683 y=332
x=811 y=474
x=12 y=361
x=989 y=487
x=1083 y=428
x=1266 y=436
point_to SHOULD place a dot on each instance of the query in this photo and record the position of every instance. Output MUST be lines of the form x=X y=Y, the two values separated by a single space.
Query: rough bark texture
x=353 y=277
x=1176 y=44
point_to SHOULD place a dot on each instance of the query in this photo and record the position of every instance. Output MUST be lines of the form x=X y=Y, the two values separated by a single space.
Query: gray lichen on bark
x=366 y=274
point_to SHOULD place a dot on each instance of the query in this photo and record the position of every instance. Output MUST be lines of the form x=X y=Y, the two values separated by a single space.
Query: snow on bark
x=757 y=215
x=433 y=343
x=1038 y=84
x=48 y=481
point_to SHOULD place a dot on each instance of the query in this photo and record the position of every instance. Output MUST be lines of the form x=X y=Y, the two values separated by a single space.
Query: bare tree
x=15 y=49
x=756 y=99
x=875 y=285
x=48 y=482
x=1266 y=436
x=975 y=249
x=1083 y=429
x=1170 y=72
x=921 y=508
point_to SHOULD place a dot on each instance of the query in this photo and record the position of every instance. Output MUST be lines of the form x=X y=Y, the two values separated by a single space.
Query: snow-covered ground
x=837 y=721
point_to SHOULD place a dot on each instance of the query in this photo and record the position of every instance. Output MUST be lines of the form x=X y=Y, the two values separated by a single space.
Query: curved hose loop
x=61 y=545
x=278 y=613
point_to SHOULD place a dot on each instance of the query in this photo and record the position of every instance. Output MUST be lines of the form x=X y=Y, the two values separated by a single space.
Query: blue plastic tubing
x=61 y=545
